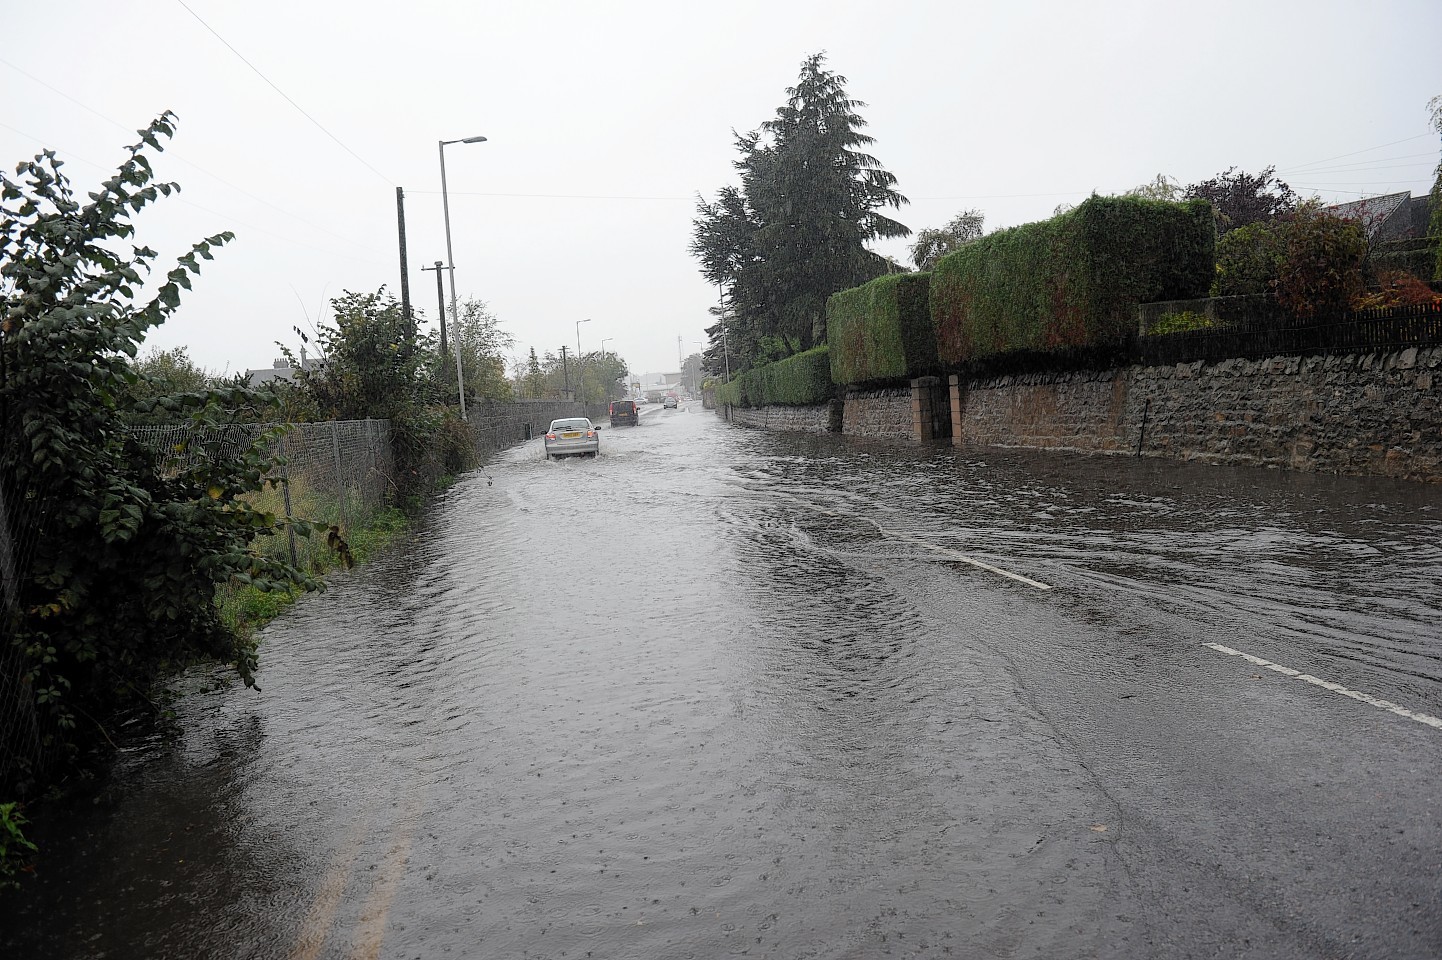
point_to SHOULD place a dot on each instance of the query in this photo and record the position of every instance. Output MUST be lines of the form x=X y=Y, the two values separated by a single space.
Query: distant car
x=573 y=436
x=624 y=411
x=669 y=403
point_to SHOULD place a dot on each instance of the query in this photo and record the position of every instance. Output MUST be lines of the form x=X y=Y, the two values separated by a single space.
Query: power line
x=178 y=156
x=67 y=156
x=544 y=196
x=1355 y=153
x=284 y=94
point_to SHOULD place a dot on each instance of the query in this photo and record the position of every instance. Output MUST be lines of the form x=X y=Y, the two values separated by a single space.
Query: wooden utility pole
x=566 y=366
x=405 y=268
x=440 y=300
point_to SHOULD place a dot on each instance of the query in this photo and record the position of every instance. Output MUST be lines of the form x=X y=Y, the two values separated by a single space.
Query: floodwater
x=724 y=693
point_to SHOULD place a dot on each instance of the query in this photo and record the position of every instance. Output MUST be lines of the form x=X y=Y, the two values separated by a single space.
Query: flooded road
x=727 y=693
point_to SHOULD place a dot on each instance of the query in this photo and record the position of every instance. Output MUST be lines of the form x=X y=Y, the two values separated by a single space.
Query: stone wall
x=885 y=413
x=1364 y=414
x=797 y=419
x=498 y=424
x=1069 y=411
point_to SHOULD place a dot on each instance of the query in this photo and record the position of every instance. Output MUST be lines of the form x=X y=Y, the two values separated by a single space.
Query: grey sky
x=605 y=119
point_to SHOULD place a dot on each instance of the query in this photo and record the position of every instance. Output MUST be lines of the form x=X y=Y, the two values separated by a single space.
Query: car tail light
x=590 y=433
x=550 y=436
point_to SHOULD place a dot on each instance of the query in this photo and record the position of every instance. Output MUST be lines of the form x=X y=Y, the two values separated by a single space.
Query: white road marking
x=963 y=558
x=1389 y=706
x=920 y=542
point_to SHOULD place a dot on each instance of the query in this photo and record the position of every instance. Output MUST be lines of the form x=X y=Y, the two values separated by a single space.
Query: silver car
x=572 y=436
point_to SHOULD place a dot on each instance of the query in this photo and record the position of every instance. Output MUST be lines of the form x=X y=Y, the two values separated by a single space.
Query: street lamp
x=696 y=387
x=451 y=265
x=580 y=363
x=603 y=346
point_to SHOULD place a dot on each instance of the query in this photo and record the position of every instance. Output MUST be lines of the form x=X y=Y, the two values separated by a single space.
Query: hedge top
x=1073 y=281
x=882 y=330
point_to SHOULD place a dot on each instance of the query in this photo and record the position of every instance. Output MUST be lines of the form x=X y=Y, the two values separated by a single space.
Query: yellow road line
x=371 y=928
x=322 y=911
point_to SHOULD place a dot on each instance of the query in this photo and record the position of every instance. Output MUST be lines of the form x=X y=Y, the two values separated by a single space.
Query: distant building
x=1392 y=216
x=281 y=369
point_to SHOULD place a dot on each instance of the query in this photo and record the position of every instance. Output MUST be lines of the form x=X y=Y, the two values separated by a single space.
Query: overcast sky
x=605 y=119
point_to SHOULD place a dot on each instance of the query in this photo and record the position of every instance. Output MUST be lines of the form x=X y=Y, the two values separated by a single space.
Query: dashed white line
x=1388 y=705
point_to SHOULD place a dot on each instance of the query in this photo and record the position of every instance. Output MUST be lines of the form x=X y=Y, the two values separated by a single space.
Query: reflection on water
x=690 y=699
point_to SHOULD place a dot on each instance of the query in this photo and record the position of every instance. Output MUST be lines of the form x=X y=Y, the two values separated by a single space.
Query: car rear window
x=570 y=425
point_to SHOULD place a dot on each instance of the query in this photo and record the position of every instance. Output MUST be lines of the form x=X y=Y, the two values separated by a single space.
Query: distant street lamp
x=580 y=368
x=603 y=346
x=696 y=387
x=451 y=265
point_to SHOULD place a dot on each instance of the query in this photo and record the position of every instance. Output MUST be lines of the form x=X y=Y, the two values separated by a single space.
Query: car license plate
x=570 y=436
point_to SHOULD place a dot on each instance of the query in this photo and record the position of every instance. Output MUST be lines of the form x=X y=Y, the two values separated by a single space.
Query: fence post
x=339 y=477
x=285 y=492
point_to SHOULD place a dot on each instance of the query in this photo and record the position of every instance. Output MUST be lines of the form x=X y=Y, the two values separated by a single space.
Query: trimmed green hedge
x=729 y=394
x=882 y=330
x=798 y=381
x=801 y=380
x=1073 y=281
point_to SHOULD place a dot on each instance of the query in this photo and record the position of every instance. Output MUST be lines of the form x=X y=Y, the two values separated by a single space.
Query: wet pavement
x=728 y=693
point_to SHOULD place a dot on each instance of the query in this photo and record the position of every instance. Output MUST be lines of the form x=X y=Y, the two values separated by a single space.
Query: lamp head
x=474 y=140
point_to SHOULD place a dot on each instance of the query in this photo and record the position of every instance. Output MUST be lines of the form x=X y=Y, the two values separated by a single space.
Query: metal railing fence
x=1381 y=330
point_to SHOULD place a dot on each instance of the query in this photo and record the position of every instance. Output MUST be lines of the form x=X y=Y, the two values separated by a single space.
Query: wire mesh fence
x=25 y=747
x=335 y=473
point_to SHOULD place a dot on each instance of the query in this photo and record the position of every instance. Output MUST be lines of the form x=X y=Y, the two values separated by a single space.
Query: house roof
x=1373 y=212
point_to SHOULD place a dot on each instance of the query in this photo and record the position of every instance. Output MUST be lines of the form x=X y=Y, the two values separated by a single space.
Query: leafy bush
x=1397 y=288
x=1320 y=272
x=126 y=562
x=797 y=381
x=1249 y=260
x=15 y=849
x=882 y=330
x=1073 y=281
x=1312 y=261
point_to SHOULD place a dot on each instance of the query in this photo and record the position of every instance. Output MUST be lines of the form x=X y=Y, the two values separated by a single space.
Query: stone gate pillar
x=958 y=409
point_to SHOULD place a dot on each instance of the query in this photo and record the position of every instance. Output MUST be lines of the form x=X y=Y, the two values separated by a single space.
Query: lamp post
x=724 y=348
x=609 y=389
x=451 y=265
x=580 y=362
x=695 y=386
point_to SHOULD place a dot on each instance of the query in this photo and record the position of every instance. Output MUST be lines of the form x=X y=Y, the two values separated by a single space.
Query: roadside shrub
x=1249 y=260
x=1313 y=262
x=882 y=330
x=1073 y=281
x=798 y=381
x=126 y=561
x=1320 y=272
x=1397 y=288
